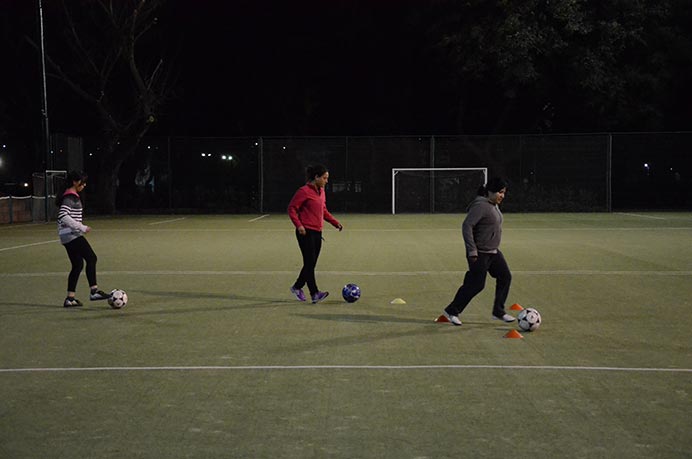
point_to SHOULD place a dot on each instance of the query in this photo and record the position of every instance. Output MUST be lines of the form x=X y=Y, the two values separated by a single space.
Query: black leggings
x=310 y=246
x=474 y=281
x=80 y=251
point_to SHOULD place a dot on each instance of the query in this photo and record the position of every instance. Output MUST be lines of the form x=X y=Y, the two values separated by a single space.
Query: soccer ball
x=351 y=293
x=117 y=299
x=529 y=319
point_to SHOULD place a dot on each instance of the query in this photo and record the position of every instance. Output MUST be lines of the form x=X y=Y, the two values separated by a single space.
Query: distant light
x=256 y=143
x=148 y=147
x=4 y=146
x=646 y=165
x=91 y=154
x=203 y=155
x=283 y=147
x=230 y=157
x=223 y=156
x=26 y=185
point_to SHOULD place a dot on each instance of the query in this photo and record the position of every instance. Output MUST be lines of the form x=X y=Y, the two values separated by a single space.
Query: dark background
x=323 y=68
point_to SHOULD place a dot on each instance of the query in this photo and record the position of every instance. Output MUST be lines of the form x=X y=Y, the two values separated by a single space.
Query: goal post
x=435 y=189
x=46 y=185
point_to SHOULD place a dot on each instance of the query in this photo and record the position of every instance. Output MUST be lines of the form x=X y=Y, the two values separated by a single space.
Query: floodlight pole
x=44 y=109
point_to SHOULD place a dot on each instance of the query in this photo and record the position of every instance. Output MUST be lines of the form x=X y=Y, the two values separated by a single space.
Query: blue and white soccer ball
x=529 y=319
x=351 y=293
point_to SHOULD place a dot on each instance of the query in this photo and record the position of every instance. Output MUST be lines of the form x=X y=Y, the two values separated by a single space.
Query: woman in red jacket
x=308 y=210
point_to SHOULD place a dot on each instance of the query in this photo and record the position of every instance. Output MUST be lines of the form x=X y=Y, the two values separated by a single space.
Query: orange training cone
x=516 y=307
x=513 y=334
x=442 y=318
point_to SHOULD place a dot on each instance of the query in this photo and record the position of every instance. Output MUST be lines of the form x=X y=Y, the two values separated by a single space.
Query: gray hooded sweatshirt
x=482 y=227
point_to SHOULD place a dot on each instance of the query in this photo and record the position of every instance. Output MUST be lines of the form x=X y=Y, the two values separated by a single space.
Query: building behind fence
x=547 y=173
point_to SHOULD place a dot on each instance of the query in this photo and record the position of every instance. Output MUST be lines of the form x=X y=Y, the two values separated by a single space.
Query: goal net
x=435 y=190
x=53 y=182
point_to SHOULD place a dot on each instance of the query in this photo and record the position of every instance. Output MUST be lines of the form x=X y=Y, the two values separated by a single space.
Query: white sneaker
x=454 y=320
x=505 y=318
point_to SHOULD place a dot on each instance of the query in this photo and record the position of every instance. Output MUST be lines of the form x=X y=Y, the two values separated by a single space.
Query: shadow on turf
x=31 y=305
x=380 y=333
x=253 y=303
x=374 y=335
x=362 y=318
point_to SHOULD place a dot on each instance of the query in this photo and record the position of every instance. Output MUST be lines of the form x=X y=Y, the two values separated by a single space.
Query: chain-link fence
x=546 y=173
x=588 y=172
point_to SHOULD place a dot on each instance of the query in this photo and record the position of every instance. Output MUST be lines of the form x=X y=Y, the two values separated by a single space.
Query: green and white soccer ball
x=117 y=299
x=529 y=319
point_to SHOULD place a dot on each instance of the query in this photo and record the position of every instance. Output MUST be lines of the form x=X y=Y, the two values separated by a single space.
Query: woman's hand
x=301 y=230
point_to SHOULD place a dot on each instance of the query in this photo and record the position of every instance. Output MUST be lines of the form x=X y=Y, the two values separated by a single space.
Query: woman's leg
x=500 y=271
x=474 y=282
x=74 y=253
x=91 y=259
x=310 y=246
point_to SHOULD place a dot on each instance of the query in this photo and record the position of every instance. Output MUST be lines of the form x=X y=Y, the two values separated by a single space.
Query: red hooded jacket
x=308 y=208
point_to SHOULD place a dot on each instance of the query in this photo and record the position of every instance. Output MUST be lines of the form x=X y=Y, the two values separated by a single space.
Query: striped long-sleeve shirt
x=70 y=225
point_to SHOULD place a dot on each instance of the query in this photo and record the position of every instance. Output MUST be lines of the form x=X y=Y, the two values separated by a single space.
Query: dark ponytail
x=494 y=185
x=72 y=176
x=315 y=170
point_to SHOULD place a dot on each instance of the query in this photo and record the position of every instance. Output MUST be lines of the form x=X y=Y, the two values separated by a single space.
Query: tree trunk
x=117 y=149
x=107 y=183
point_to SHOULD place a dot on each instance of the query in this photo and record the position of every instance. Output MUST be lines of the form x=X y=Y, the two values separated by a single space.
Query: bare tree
x=111 y=61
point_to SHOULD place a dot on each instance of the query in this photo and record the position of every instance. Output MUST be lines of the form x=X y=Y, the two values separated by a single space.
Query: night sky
x=348 y=67
x=318 y=68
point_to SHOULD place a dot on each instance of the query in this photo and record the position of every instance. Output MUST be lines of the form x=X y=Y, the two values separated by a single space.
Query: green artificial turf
x=213 y=357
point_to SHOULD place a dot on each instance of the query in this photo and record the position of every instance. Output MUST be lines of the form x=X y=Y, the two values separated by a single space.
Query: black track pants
x=80 y=251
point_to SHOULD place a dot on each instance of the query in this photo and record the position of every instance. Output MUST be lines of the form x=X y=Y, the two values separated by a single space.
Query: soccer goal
x=50 y=182
x=435 y=189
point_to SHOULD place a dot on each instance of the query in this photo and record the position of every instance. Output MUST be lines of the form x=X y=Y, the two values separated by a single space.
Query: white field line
x=583 y=272
x=328 y=230
x=21 y=225
x=27 y=245
x=168 y=221
x=348 y=367
x=259 y=218
x=640 y=216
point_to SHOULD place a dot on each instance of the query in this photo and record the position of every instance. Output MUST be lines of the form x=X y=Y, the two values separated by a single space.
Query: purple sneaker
x=298 y=292
x=319 y=296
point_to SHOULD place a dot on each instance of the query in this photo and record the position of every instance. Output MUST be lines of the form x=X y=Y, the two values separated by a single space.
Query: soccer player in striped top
x=71 y=232
x=308 y=210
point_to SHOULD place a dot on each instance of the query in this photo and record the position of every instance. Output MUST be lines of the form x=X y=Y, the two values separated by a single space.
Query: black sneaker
x=72 y=303
x=98 y=295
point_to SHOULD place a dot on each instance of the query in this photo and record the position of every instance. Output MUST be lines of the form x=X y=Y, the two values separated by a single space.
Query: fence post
x=261 y=174
x=170 y=176
x=609 y=173
x=432 y=174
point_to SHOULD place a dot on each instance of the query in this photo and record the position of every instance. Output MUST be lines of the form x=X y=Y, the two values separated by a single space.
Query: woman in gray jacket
x=482 y=231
